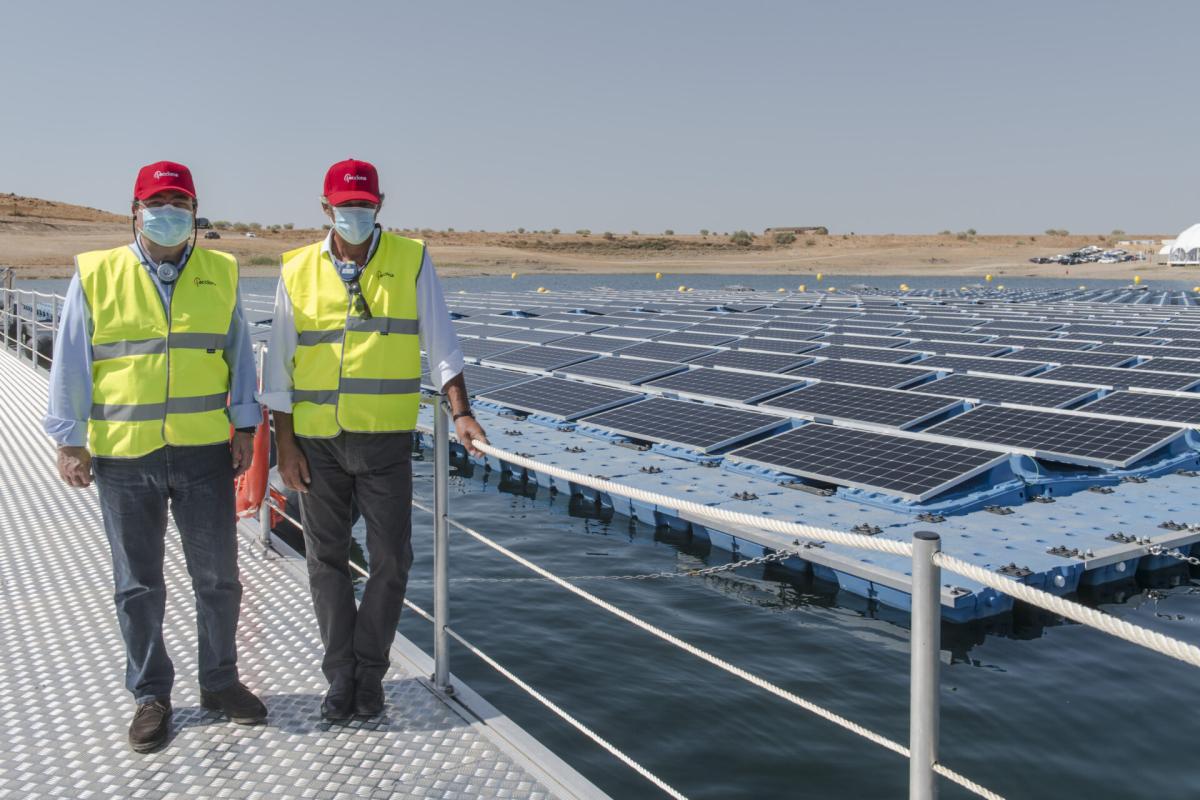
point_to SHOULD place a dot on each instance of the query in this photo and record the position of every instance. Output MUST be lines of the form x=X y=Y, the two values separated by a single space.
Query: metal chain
x=770 y=558
x=1159 y=550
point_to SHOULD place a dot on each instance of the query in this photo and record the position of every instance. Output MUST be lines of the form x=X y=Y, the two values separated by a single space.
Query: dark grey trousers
x=374 y=472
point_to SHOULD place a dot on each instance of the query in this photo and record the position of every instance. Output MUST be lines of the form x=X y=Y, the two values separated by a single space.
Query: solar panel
x=773 y=345
x=863 y=341
x=622 y=370
x=1090 y=358
x=912 y=468
x=630 y=332
x=684 y=423
x=528 y=336
x=884 y=376
x=1139 y=378
x=1003 y=390
x=999 y=366
x=540 y=357
x=898 y=409
x=1186 y=366
x=482 y=379
x=585 y=325
x=1148 y=406
x=592 y=344
x=1032 y=325
x=784 y=333
x=717 y=327
x=557 y=397
x=664 y=352
x=1058 y=435
x=1150 y=350
x=702 y=339
x=945 y=336
x=1044 y=341
x=748 y=359
x=482 y=348
x=959 y=348
x=740 y=386
x=882 y=355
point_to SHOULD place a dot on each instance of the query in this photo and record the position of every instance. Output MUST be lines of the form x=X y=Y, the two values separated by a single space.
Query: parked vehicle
x=212 y=235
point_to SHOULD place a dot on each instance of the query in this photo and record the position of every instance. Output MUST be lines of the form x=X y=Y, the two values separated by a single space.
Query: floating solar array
x=1004 y=390
x=885 y=376
x=557 y=397
x=684 y=423
x=909 y=467
x=725 y=384
x=835 y=401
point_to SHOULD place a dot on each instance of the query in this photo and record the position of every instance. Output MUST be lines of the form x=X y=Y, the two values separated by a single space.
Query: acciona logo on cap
x=350 y=177
x=160 y=174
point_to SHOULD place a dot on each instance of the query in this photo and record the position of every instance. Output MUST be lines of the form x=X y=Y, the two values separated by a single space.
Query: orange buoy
x=251 y=485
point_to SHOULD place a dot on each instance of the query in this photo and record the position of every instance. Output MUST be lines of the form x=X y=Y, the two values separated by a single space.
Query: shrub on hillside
x=785 y=238
x=742 y=238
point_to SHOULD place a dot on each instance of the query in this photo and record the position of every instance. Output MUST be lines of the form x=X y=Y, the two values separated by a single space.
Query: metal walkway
x=64 y=709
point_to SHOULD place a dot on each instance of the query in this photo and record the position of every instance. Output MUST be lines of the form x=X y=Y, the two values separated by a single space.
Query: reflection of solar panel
x=482 y=348
x=540 y=357
x=1140 y=378
x=748 y=359
x=664 y=352
x=1059 y=436
x=622 y=370
x=559 y=398
x=909 y=467
x=892 y=407
x=1091 y=358
x=692 y=425
x=726 y=384
x=702 y=339
x=1002 y=390
x=959 y=348
x=884 y=376
x=882 y=355
x=999 y=366
x=1148 y=406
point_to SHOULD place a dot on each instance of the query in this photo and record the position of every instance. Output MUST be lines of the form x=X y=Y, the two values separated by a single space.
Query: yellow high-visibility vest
x=351 y=373
x=157 y=381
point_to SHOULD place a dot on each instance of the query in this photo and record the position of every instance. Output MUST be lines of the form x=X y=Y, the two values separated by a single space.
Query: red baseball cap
x=162 y=176
x=351 y=180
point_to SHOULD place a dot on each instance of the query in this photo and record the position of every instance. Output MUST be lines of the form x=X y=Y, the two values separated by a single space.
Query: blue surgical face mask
x=167 y=225
x=354 y=224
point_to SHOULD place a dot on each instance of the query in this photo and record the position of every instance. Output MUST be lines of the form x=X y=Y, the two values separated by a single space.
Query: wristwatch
x=466 y=413
x=251 y=429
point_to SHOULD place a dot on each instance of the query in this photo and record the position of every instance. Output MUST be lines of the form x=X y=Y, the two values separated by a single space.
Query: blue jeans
x=196 y=483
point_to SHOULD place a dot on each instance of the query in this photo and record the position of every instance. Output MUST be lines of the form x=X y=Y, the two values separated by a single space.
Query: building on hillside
x=820 y=230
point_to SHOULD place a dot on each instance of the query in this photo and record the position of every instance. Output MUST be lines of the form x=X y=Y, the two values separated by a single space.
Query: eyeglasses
x=360 y=302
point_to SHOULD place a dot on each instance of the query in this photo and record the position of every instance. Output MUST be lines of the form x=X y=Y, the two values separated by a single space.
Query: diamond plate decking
x=64 y=709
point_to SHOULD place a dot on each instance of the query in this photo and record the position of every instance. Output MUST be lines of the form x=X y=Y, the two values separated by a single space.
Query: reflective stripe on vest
x=155 y=380
x=351 y=373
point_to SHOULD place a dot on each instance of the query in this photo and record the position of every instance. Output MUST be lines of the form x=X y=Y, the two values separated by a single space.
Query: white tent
x=1186 y=247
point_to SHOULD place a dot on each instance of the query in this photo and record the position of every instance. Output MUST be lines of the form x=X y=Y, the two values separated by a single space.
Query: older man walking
x=151 y=344
x=343 y=374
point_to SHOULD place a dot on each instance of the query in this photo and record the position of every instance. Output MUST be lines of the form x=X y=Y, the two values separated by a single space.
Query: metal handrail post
x=441 y=548
x=264 y=510
x=33 y=331
x=924 y=703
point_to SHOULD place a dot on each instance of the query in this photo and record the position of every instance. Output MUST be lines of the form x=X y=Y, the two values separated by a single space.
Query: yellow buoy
x=781 y=289
x=542 y=290
x=832 y=289
x=513 y=276
x=987 y=278
x=819 y=276
x=682 y=288
x=658 y=276
x=1137 y=278
x=1001 y=286
x=1196 y=288
x=904 y=287
x=801 y=288
x=1082 y=287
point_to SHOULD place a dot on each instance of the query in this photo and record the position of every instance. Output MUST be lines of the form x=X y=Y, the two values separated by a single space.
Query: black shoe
x=236 y=702
x=151 y=723
x=338 y=704
x=368 y=697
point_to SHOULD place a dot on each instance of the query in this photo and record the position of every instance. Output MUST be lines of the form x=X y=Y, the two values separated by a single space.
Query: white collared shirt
x=434 y=328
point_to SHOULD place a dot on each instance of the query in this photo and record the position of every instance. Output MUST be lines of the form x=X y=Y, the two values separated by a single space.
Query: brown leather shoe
x=236 y=702
x=150 y=726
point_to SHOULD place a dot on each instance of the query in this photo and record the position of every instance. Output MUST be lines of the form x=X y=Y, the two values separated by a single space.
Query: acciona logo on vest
x=203 y=282
x=161 y=174
x=350 y=177
x=387 y=274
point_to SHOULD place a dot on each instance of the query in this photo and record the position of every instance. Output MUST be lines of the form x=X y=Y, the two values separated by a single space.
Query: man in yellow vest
x=343 y=376
x=152 y=363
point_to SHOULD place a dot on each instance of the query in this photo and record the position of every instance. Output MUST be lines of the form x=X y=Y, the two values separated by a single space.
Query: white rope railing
x=1144 y=637
x=720 y=663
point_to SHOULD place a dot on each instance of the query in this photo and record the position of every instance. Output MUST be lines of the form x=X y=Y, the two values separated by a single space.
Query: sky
x=872 y=117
